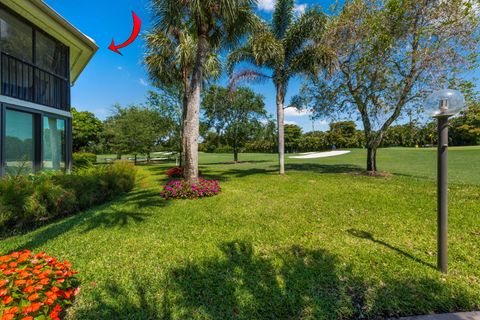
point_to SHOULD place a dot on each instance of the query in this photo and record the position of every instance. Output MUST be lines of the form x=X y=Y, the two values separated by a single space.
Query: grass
x=318 y=243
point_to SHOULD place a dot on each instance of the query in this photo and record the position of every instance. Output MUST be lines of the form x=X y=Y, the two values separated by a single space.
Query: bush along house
x=41 y=56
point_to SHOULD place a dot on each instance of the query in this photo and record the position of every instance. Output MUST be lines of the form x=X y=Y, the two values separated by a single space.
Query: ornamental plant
x=35 y=286
x=181 y=189
x=176 y=172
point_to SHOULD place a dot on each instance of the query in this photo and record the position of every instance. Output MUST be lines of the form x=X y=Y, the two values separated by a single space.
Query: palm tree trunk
x=281 y=128
x=192 y=114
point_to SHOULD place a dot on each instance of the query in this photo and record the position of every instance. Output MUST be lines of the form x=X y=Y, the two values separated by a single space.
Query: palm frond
x=308 y=28
x=247 y=75
x=283 y=16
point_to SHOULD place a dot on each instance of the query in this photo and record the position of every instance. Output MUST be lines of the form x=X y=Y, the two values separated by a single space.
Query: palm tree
x=213 y=24
x=170 y=58
x=288 y=46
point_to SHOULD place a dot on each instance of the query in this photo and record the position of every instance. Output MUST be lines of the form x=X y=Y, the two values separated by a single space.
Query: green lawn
x=319 y=243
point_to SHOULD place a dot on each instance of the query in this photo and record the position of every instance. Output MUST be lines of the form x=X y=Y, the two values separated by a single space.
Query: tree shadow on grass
x=103 y=216
x=323 y=168
x=290 y=283
x=245 y=285
x=368 y=236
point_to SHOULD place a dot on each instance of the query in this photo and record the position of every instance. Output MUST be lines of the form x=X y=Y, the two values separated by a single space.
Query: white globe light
x=444 y=102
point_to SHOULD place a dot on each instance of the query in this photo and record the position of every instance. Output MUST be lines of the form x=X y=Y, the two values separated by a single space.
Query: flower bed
x=35 y=286
x=180 y=189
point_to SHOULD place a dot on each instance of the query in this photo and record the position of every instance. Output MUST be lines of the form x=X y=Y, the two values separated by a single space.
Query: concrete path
x=447 y=316
x=314 y=155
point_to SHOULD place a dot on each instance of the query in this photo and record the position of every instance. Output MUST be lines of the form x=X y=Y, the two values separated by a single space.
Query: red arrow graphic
x=137 y=25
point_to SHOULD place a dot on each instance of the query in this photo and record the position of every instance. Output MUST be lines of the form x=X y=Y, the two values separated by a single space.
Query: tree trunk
x=135 y=161
x=372 y=158
x=281 y=128
x=235 y=151
x=192 y=114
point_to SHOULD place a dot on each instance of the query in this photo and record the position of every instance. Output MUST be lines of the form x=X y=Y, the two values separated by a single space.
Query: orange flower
x=7 y=299
x=20 y=282
x=3 y=292
x=55 y=289
x=27 y=318
x=13 y=264
x=44 y=281
x=29 y=289
x=5 y=259
x=12 y=310
x=3 y=282
x=8 y=272
x=38 y=287
x=55 y=312
x=33 y=297
x=24 y=274
x=34 y=307
x=3 y=266
x=8 y=316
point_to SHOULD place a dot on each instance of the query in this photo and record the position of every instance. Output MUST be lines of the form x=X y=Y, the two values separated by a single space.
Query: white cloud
x=300 y=8
x=266 y=5
x=269 y=6
x=297 y=113
x=143 y=82
x=290 y=122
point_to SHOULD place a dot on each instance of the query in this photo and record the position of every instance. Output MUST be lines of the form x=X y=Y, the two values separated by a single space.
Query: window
x=15 y=37
x=53 y=143
x=19 y=142
x=51 y=55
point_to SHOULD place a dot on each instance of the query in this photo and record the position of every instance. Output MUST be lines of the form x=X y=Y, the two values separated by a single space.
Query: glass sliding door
x=19 y=142
x=54 y=151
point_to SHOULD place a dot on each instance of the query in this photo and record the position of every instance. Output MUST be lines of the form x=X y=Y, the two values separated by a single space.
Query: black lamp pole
x=442 y=189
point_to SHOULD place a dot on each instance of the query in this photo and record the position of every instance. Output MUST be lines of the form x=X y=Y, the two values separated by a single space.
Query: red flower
x=27 y=318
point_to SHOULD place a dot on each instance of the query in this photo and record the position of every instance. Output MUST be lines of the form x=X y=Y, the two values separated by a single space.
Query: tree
x=170 y=60
x=234 y=114
x=213 y=24
x=293 y=133
x=135 y=130
x=388 y=52
x=289 y=46
x=168 y=106
x=86 y=130
x=342 y=134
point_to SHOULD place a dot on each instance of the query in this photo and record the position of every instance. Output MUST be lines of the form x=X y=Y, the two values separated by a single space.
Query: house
x=41 y=57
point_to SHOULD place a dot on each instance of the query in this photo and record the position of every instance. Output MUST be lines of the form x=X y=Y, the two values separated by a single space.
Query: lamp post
x=442 y=105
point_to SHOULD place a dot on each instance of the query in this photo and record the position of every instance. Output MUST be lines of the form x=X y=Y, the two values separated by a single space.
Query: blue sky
x=111 y=78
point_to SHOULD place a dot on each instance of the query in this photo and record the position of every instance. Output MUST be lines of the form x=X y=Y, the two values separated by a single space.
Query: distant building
x=41 y=56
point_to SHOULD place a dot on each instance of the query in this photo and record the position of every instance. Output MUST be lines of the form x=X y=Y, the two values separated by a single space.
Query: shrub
x=35 y=286
x=31 y=200
x=176 y=172
x=83 y=159
x=180 y=189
